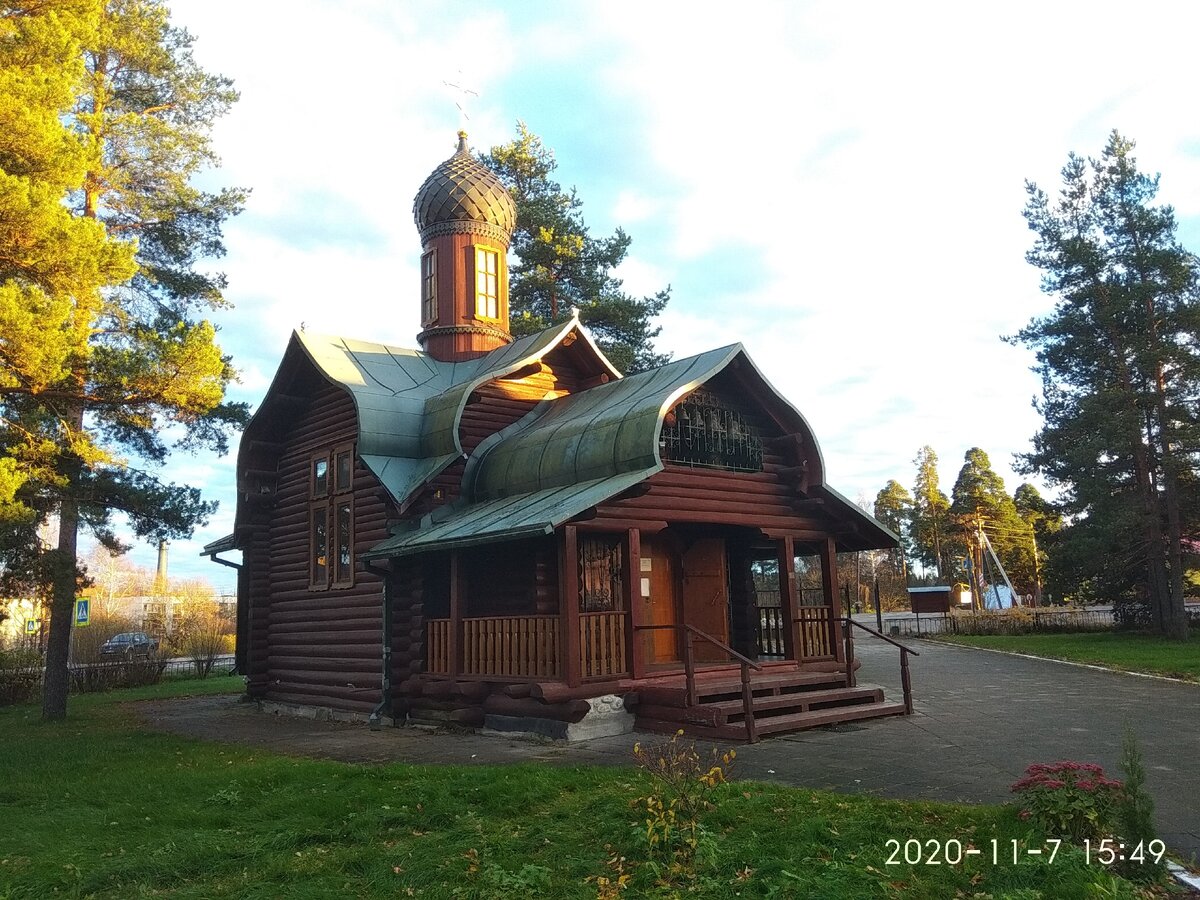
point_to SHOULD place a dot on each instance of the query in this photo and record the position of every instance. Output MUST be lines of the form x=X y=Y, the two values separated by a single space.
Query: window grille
x=600 y=575
x=704 y=431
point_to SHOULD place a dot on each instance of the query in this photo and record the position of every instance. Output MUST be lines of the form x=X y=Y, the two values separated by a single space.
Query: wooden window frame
x=498 y=254
x=313 y=491
x=429 y=310
x=337 y=495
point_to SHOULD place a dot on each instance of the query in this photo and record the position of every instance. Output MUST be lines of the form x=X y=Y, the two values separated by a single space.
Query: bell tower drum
x=465 y=217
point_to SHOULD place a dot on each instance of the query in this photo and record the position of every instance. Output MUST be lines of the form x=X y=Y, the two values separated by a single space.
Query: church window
x=331 y=519
x=487 y=283
x=706 y=432
x=320 y=546
x=429 y=287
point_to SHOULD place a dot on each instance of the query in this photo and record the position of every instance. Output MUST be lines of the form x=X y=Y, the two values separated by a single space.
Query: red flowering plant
x=1069 y=799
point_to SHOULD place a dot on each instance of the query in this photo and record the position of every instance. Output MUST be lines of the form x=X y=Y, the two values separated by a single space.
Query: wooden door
x=706 y=596
x=661 y=599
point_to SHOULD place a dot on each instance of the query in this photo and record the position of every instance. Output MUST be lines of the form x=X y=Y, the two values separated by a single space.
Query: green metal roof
x=572 y=453
x=565 y=456
x=607 y=430
x=410 y=405
x=507 y=518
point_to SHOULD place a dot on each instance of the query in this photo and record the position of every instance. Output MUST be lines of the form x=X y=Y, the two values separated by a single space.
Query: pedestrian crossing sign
x=31 y=626
x=83 y=612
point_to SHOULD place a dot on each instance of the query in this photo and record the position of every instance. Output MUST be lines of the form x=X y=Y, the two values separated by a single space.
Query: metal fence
x=1023 y=621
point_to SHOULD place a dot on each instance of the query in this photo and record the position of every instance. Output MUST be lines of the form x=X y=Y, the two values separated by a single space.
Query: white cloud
x=837 y=186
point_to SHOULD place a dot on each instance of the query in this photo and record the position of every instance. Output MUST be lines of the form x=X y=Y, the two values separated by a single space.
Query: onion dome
x=463 y=195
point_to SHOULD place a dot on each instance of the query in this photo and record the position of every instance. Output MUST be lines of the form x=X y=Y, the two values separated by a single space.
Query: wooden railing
x=816 y=633
x=602 y=645
x=437 y=646
x=905 y=678
x=690 y=635
x=520 y=646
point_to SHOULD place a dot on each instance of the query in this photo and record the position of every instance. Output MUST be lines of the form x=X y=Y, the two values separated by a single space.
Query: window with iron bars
x=704 y=431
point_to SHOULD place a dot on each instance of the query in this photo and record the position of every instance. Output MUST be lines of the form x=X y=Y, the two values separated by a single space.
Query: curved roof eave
x=800 y=423
x=443 y=413
x=604 y=431
x=410 y=405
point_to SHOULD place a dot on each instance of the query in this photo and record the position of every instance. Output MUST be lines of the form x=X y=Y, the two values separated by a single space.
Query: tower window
x=487 y=283
x=429 y=287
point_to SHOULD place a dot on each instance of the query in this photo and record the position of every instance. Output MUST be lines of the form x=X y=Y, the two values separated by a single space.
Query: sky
x=837 y=186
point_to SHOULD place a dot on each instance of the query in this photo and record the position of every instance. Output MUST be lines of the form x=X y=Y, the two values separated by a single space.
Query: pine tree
x=86 y=401
x=1044 y=522
x=979 y=499
x=931 y=523
x=560 y=265
x=894 y=508
x=1120 y=369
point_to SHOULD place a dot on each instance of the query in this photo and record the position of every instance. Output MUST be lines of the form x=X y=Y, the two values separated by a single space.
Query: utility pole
x=1037 y=570
x=977 y=589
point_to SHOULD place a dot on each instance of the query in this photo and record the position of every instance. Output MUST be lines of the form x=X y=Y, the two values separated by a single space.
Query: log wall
x=316 y=646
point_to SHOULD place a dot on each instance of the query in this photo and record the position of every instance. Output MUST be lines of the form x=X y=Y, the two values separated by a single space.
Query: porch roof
x=507 y=518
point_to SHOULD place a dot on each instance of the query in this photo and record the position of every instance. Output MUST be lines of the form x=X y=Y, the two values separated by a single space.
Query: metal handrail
x=690 y=632
x=905 y=677
x=881 y=636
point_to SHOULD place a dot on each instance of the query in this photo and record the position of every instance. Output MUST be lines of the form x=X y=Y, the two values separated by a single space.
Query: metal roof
x=506 y=518
x=410 y=405
x=566 y=455
x=594 y=434
x=463 y=189
x=575 y=452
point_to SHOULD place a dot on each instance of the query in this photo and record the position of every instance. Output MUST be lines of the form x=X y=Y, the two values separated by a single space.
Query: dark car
x=128 y=645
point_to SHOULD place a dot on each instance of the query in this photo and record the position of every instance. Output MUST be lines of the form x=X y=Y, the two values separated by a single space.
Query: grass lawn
x=98 y=807
x=1131 y=652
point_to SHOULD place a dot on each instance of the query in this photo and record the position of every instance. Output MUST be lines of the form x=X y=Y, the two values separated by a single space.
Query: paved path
x=980 y=719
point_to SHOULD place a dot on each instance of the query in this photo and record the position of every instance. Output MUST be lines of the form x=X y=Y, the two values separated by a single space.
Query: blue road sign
x=83 y=612
x=31 y=626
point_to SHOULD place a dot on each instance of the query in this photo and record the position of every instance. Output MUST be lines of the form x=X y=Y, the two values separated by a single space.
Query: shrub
x=1135 y=811
x=686 y=787
x=20 y=675
x=1069 y=799
x=1023 y=620
x=100 y=677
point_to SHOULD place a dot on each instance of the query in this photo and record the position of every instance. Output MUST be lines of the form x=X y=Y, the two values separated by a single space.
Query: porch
x=534 y=648
x=623 y=605
x=706 y=644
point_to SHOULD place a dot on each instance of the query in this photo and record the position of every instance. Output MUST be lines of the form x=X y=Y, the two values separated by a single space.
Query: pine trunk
x=1174 y=619
x=56 y=680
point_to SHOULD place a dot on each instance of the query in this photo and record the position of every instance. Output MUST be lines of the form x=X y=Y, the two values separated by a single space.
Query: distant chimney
x=160 y=576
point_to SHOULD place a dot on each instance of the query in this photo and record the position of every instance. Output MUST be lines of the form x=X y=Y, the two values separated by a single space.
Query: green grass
x=96 y=806
x=1117 y=650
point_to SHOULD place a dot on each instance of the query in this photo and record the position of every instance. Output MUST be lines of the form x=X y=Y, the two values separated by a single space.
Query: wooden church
x=510 y=534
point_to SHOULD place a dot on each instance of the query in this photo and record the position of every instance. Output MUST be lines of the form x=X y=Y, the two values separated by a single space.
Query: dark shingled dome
x=462 y=189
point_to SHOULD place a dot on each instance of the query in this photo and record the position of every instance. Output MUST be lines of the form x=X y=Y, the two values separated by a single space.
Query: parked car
x=128 y=645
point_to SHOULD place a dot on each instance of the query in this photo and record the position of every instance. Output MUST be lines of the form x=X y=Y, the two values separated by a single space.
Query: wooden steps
x=782 y=703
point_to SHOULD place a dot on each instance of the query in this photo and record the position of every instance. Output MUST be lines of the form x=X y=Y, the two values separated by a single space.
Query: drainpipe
x=242 y=616
x=385 y=699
